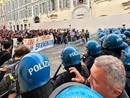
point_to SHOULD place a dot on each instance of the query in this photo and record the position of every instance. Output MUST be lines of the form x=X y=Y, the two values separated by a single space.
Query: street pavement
x=53 y=54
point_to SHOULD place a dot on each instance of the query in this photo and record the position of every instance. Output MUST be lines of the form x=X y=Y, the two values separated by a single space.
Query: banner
x=37 y=44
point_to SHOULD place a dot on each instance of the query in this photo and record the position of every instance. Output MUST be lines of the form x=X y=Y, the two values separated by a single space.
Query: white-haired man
x=107 y=77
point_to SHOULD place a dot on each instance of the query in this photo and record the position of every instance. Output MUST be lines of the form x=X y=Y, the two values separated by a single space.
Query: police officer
x=19 y=52
x=113 y=44
x=34 y=76
x=74 y=90
x=125 y=57
x=127 y=33
x=70 y=58
x=94 y=50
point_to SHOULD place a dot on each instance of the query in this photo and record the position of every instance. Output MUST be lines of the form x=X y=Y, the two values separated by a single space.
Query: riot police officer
x=70 y=58
x=34 y=76
x=94 y=50
x=113 y=44
x=74 y=90
x=125 y=57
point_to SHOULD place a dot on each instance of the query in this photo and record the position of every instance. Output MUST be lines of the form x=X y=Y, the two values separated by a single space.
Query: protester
x=107 y=77
x=5 y=54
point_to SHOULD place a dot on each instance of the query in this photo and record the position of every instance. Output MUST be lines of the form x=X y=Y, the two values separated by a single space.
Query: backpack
x=5 y=84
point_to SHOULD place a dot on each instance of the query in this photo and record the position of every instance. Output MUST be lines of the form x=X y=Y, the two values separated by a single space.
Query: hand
x=78 y=77
x=4 y=68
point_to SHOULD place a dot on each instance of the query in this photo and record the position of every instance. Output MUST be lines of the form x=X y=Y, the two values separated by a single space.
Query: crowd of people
x=60 y=35
x=102 y=72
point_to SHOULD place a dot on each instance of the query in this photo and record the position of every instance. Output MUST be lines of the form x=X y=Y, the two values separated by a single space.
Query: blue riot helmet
x=101 y=34
x=114 y=29
x=93 y=47
x=123 y=36
x=116 y=32
x=125 y=56
x=70 y=56
x=127 y=33
x=33 y=71
x=101 y=40
x=123 y=29
x=128 y=29
x=113 y=41
x=75 y=90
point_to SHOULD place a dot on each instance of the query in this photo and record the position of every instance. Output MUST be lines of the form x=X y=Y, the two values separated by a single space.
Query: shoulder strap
x=62 y=87
x=3 y=54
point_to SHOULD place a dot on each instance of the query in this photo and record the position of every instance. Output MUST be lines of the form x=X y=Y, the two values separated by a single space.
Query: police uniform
x=125 y=57
x=66 y=76
x=90 y=60
x=114 y=52
x=113 y=44
x=70 y=56
x=127 y=86
x=94 y=50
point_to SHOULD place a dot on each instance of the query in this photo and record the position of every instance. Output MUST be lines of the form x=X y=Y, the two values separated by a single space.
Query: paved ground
x=54 y=55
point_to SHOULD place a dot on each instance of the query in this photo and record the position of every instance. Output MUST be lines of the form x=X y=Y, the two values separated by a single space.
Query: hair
x=6 y=44
x=21 y=51
x=19 y=39
x=114 y=69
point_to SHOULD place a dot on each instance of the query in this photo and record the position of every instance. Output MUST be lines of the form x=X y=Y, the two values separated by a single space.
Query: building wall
x=92 y=24
x=16 y=14
x=109 y=7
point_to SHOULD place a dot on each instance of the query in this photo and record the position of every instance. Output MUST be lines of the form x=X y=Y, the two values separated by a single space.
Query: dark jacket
x=127 y=86
x=2 y=73
x=123 y=95
x=5 y=56
x=66 y=76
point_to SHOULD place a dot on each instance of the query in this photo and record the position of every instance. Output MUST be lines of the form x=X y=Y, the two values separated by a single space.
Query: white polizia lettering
x=119 y=39
x=38 y=67
x=74 y=54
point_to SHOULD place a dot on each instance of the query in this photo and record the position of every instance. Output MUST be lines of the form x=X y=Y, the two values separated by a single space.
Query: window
x=76 y=2
x=20 y=14
x=51 y=5
x=64 y=4
x=44 y=8
x=21 y=3
x=40 y=8
x=29 y=12
x=35 y=10
x=16 y=15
